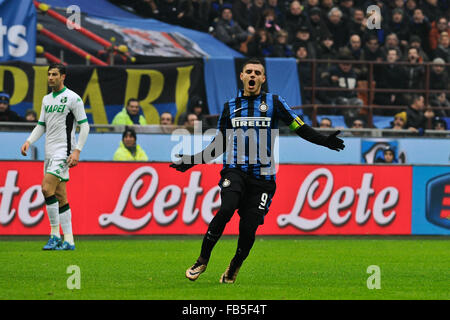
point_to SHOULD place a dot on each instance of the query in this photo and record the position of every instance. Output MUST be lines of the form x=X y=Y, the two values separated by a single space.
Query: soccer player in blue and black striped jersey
x=246 y=127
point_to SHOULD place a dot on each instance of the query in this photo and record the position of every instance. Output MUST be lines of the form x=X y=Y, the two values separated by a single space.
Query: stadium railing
x=169 y=129
x=368 y=91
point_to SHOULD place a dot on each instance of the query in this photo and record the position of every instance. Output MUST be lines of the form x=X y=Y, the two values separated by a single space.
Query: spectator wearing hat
x=416 y=42
x=325 y=48
x=437 y=27
x=303 y=35
x=388 y=156
x=196 y=106
x=325 y=51
x=229 y=31
x=443 y=49
x=317 y=24
x=6 y=114
x=399 y=24
x=438 y=75
x=399 y=122
x=128 y=149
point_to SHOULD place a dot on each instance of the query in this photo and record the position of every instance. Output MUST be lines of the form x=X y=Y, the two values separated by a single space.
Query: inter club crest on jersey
x=263 y=107
x=226 y=183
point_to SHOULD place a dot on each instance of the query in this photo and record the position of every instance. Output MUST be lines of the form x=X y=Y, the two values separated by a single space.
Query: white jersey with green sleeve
x=60 y=113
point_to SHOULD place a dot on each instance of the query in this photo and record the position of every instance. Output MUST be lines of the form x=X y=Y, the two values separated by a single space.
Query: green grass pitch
x=278 y=268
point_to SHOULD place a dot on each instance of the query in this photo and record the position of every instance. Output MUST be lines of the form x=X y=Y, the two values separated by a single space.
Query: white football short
x=58 y=168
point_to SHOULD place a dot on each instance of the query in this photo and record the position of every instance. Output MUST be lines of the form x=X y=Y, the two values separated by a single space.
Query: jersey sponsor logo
x=55 y=108
x=250 y=122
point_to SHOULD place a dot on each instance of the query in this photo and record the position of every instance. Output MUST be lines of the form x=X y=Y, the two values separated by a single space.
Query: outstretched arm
x=213 y=150
x=330 y=141
x=188 y=161
x=303 y=130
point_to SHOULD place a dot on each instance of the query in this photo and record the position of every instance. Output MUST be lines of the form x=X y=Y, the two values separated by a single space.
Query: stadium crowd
x=411 y=31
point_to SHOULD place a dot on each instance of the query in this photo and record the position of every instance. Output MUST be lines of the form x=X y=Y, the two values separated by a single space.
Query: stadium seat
x=307 y=119
x=447 y=119
x=382 y=122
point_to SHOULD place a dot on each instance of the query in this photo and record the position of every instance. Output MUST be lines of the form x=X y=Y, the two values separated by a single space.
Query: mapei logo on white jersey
x=263 y=122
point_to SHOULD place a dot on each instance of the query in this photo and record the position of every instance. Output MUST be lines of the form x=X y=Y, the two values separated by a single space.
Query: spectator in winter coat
x=128 y=149
x=6 y=114
x=228 y=31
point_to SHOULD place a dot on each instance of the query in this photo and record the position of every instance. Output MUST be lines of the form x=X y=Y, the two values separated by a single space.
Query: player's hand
x=186 y=162
x=73 y=159
x=335 y=143
x=25 y=148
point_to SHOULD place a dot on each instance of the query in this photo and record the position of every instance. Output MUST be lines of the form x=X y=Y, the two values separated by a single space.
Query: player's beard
x=56 y=86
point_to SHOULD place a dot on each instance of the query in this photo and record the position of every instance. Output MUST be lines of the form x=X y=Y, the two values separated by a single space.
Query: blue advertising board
x=17 y=30
x=431 y=200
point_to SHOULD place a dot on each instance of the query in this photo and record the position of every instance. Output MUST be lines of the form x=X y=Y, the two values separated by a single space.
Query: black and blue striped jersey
x=250 y=125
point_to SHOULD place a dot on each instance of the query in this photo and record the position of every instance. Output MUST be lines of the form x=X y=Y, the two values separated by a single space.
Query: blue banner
x=431 y=200
x=17 y=30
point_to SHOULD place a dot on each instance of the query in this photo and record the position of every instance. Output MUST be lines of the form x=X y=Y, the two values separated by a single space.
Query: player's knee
x=226 y=211
x=47 y=190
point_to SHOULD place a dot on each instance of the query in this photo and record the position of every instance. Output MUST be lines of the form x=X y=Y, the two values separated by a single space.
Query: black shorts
x=255 y=194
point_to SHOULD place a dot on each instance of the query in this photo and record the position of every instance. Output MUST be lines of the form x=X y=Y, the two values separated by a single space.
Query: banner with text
x=164 y=87
x=17 y=30
x=152 y=198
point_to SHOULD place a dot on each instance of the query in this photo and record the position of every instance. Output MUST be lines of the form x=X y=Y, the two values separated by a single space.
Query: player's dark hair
x=253 y=61
x=61 y=68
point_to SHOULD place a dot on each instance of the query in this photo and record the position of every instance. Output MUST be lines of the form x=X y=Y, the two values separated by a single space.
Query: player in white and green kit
x=62 y=110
